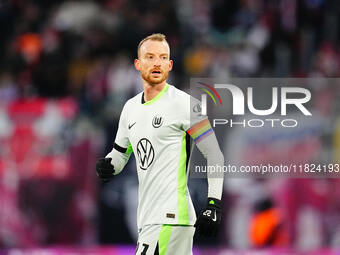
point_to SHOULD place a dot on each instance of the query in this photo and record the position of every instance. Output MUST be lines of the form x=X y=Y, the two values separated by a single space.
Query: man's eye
x=150 y=57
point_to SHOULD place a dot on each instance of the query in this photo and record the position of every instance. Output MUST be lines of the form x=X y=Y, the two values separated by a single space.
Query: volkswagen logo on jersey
x=157 y=121
x=145 y=153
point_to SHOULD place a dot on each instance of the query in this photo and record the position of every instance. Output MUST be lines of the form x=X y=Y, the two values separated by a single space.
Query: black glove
x=104 y=169
x=209 y=220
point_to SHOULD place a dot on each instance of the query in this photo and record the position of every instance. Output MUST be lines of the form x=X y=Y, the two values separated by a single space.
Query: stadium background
x=66 y=71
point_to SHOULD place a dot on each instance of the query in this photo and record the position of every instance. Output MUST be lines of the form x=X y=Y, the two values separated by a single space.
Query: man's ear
x=137 y=64
x=170 y=65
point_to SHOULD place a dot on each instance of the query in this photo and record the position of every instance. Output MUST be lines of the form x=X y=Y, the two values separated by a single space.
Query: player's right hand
x=105 y=169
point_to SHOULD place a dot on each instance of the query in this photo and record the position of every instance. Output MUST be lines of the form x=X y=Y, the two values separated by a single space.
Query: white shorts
x=165 y=240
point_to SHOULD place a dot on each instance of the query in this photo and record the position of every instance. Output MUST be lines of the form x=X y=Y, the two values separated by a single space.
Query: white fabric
x=159 y=178
x=180 y=242
x=211 y=151
x=163 y=194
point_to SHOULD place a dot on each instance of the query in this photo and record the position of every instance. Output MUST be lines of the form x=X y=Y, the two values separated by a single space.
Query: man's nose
x=157 y=62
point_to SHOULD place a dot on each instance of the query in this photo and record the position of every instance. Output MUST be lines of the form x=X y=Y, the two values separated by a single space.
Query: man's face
x=154 y=62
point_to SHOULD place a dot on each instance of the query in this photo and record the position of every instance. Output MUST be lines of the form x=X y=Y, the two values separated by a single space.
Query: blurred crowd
x=84 y=50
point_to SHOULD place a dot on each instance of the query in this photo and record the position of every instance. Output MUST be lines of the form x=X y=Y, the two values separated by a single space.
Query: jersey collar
x=157 y=97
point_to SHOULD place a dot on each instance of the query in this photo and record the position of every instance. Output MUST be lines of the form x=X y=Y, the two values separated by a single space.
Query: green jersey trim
x=164 y=238
x=129 y=149
x=159 y=95
x=183 y=213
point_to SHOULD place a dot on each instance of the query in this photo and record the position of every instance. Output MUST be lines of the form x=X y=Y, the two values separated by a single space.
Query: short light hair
x=154 y=37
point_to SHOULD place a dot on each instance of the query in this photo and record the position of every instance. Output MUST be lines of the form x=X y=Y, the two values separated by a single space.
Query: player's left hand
x=209 y=220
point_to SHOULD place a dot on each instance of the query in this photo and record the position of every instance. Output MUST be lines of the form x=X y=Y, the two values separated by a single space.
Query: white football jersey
x=156 y=132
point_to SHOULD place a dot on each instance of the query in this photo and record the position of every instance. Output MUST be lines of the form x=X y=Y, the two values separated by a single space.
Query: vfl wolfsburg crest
x=157 y=121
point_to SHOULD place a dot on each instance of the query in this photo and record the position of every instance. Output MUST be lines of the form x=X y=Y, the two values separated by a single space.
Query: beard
x=153 y=81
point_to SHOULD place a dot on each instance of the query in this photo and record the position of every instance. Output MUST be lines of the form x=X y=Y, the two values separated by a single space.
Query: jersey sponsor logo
x=131 y=125
x=157 y=121
x=145 y=153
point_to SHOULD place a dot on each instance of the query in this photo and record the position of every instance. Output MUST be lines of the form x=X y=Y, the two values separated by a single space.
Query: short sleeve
x=122 y=138
x=199 y=126
x=193 y=115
